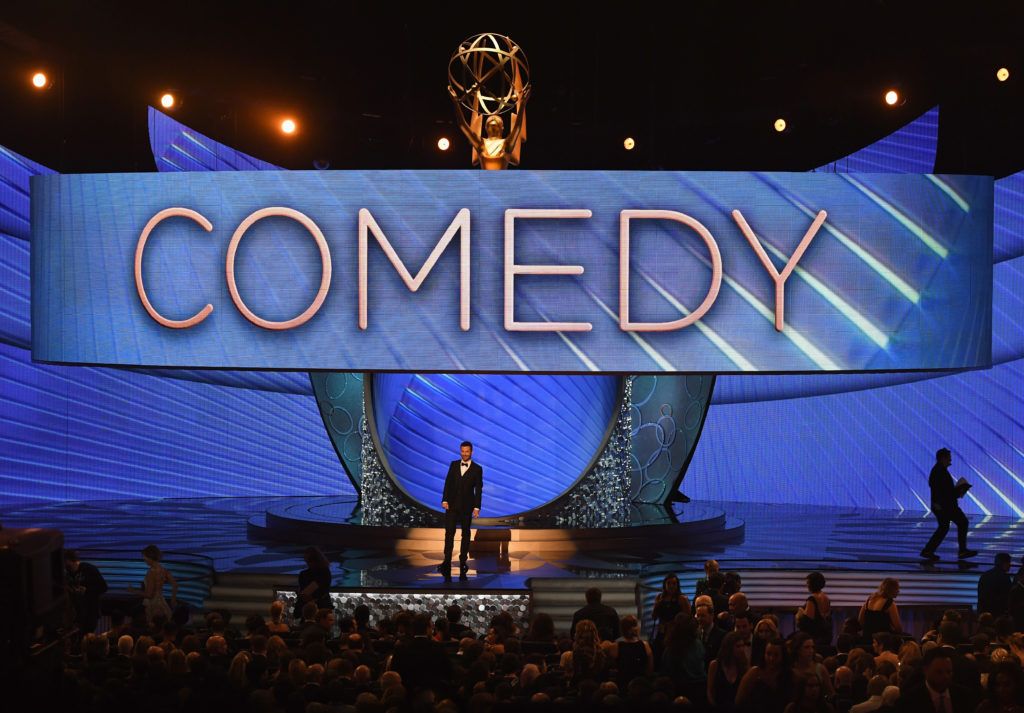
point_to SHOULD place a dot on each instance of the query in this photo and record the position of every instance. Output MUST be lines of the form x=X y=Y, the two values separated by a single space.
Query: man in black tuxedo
x=945 y=494
x=463 y=488
x=939 y=694
x=85 y=586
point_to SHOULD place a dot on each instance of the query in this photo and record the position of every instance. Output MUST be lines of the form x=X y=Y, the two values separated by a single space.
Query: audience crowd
x=712 y=653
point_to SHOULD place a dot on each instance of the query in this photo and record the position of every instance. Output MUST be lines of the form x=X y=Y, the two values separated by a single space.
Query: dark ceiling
x=698 y=86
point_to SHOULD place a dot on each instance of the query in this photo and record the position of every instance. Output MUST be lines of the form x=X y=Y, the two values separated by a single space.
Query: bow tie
x=465 y=464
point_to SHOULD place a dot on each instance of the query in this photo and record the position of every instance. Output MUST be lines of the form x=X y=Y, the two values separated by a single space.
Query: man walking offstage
x=945 y=494
x=463 y=488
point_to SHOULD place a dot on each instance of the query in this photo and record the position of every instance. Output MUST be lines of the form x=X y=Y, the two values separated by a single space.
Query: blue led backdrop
x=847 y=439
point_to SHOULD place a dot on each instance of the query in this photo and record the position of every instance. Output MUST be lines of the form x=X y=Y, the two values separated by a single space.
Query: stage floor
x=789 y=537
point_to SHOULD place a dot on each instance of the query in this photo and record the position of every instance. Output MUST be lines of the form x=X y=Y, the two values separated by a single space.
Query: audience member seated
x=604 y=617
x=402 y=666
x=726 y=671
x=767 y=687
x=277 y=624
x=710 y=635
x=938 y=694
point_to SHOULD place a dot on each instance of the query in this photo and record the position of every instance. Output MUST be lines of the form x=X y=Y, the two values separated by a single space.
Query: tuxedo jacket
x=463 y=492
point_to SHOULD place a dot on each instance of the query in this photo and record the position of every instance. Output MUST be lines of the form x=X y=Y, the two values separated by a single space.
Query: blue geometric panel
x=869 y=440
x=1008 y=227
x=533 y=436
x=81 y=433
x=870 y=448
x=910 y=149
x=75 y=433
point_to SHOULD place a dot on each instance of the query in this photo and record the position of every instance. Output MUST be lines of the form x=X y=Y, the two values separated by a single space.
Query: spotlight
x=289 y=127
x=40 y=80
x=1002 y=74
x=891 y=97
x=629 y=144
x=168 y=101
x=780 y=124
x=443 y=143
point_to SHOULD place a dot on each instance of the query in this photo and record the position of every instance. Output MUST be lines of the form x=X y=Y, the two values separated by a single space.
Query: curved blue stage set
x=899 y=300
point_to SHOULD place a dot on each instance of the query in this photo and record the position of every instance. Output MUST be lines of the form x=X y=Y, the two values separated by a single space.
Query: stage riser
x=488 y=542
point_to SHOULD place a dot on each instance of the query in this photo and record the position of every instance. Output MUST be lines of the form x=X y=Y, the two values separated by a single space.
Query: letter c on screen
x=141 y=246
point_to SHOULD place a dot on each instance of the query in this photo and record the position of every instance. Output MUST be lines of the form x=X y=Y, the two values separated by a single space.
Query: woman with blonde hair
x=237 y=670
x=588 y=660
x=879 y=612
x=277 y=624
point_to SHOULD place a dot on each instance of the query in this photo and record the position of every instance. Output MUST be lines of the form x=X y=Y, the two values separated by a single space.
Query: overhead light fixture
x=40 y=80
x=443 y=143
x=892 y=97
x=629 y=144
x=289 y=127
x=780 y=124
x=168 y=101
x=1002 y=74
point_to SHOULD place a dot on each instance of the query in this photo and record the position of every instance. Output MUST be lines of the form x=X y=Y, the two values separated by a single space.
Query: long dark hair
x=725 y=653
x=315 y=559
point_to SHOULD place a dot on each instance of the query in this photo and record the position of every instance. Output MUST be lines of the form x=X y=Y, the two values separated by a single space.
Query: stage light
x=443 y=143
x=40 y=80
x=289 y=127
x=168 y=101
x=891 y=97
x=780 y=124
x=1002 y=74
x=629 y=144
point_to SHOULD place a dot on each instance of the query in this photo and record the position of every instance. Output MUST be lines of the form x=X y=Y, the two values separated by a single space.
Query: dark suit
x=462 y=492
x=994 y=591
x=422 y=663
x=919 y=700
x=605 y=618
x=712 y=641
x=945 y=508
x=87 y=602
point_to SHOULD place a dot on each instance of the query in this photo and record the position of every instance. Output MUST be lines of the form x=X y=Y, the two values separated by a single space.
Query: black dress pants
x=453 y=520
x=945 y=516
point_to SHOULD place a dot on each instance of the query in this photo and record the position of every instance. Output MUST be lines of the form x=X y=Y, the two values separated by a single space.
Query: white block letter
x=460 y=224
x=716 y=270
x=512 y=269
x=141 y=247
x=780 y=278
x=325 y=267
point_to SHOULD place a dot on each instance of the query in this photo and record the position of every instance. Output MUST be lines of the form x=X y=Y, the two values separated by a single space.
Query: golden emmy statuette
x=489 y=80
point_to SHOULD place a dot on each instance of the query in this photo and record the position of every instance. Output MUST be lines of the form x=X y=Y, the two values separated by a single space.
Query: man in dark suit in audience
x=463 y=490
x=421 y=661
x=605 y=618
x=85 y=587
x=938 y=694
x=710 y=635
x=994 y=587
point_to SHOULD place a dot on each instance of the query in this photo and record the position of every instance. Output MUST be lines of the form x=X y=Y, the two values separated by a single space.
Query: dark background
x=698 y=84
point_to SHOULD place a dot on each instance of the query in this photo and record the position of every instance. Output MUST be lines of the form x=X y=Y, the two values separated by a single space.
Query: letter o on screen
x=325 y=267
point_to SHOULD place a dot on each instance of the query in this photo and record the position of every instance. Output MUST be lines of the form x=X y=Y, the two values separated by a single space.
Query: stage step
x=560 y=597
x=243 y=593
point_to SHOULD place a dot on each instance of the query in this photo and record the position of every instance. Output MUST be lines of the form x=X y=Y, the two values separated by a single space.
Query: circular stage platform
x=337 y=522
